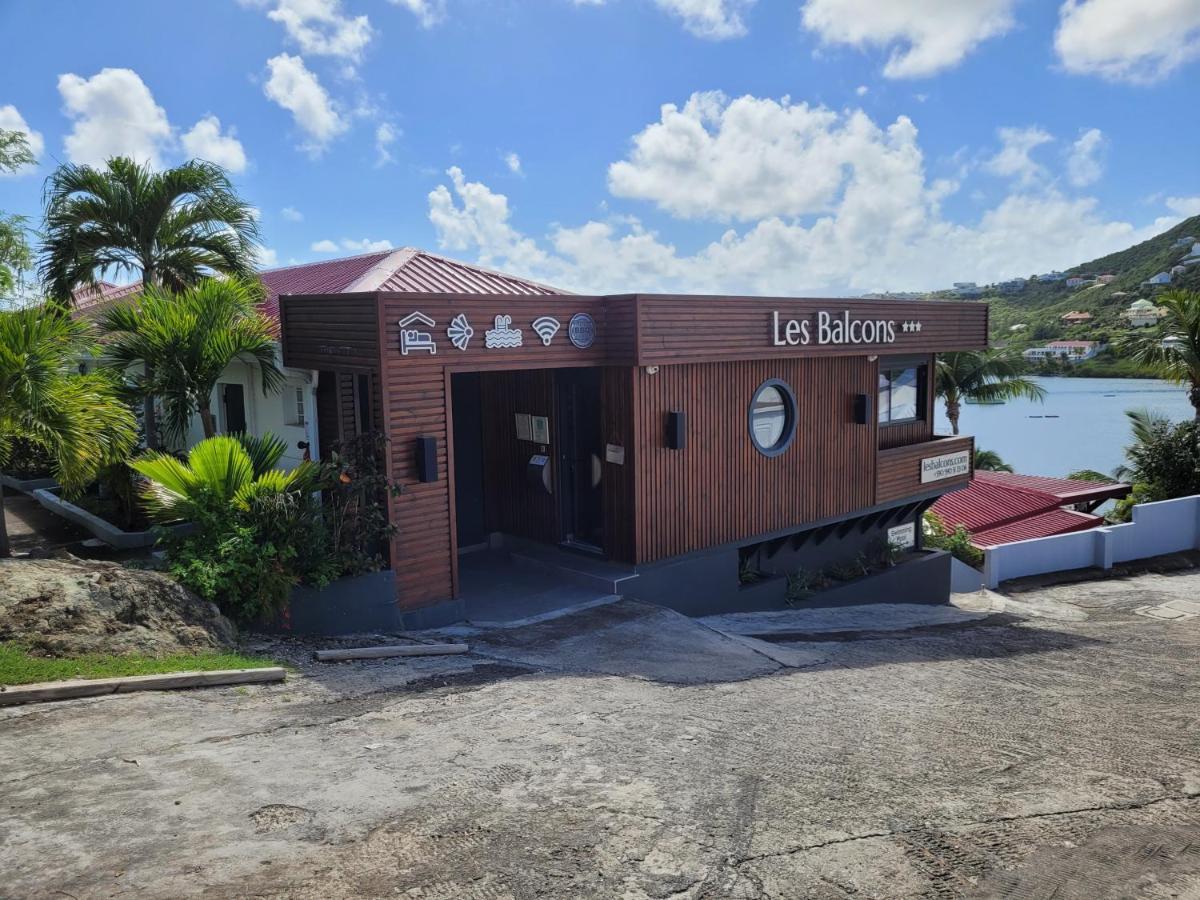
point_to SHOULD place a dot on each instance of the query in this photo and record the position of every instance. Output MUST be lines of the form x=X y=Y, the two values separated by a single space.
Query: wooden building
x=678 y=437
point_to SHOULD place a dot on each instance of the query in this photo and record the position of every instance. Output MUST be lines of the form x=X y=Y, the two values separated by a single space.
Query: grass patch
x=18 y=666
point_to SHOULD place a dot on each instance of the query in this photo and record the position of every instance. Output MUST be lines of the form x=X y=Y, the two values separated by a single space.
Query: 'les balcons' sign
x=830 y=328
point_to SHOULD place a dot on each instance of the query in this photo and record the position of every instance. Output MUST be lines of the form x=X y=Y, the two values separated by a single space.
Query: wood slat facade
x=703 y=356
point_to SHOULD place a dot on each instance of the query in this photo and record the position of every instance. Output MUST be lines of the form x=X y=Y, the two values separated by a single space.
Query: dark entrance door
x=233 y=396
x=468 y=459
x=580 y=457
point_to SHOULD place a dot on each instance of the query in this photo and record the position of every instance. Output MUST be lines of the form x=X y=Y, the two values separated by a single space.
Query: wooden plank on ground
x=97 y=687
x=386 y=652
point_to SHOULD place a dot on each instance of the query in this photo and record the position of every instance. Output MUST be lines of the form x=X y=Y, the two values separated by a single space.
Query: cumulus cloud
x=12 y=120
x=206 y=141
x=924 y=37
x=881 y=228
x=514 y=163
x=266 y=258
x=754 y=157
x=1085 y=159
x=1184 y=207
x=1015 y=158
x=1121 y=40
x=715 y=20
x=428 y=12
x=292 y=86
x=366 y=245
x=385 y=135
x=114 y=114
x=291 y=214
x=322 y=28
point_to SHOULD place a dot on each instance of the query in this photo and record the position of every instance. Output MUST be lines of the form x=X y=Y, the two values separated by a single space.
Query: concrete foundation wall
x=1170 y=526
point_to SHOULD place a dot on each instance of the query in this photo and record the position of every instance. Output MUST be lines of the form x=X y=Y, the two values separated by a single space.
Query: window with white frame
x=293 y=405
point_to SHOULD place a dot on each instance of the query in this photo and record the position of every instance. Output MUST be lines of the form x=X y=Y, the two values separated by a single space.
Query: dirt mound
x=68 y=606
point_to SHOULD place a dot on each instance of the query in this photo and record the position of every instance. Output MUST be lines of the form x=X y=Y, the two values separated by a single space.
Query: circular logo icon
x=582 y=330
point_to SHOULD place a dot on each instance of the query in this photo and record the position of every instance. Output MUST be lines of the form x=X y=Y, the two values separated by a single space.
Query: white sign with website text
x=948 y=465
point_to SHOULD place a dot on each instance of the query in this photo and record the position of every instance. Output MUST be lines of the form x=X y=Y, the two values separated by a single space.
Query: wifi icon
x=546 y=327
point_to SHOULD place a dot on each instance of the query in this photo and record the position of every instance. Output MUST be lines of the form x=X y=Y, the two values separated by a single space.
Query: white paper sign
x=540 y=426
x=903 y=536
x=524 y=429
x=614 y=454
x=948 y=465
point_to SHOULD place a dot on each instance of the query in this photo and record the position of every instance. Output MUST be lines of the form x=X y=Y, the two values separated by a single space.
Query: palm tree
x=990 y=461
x=78 y=420
x=1174 y=353
x=15 y=255
x=982 y=375
x=170 y=228
x=185 y=341
x=1147 y=425
x=221 y=473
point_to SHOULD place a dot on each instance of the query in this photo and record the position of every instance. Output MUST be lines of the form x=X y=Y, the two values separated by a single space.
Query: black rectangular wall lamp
x=676 y=430
x=862 y=409
x=427 y=468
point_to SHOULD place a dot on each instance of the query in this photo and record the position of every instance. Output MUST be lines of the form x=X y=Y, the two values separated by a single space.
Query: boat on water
x=974 y=402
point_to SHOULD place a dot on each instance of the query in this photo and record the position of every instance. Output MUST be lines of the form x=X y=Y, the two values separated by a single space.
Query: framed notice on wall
x=540 y=427
x=524 y=427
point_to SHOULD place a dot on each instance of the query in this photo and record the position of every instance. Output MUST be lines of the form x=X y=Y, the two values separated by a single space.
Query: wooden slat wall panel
x=347 y=417
x=617 y=411
x=337 y=333
x=720 y=488
x=910 y=432
x=328 y=426
x=899 y=469
x=510 y=505
x=673 y=329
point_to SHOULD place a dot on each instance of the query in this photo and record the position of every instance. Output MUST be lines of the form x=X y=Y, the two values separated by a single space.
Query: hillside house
x=1193 y=256
x=1107 y=278
x=1076 y=317
x=967 y=289
x=1143 y=313
x=1160 y=278
x=1052 y=276
x=1183 y=241
x=1076 y=281
x=1069 y=351
x=1012 y=286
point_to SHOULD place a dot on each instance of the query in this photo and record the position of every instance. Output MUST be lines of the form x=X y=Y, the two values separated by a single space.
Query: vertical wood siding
x=617 y=424
x=720 y=488
x=899 y=472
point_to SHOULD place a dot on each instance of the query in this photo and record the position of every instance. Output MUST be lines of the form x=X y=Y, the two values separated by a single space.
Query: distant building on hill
x=1160 y=278
x=1107 y=278
x=1075 y=317
x=1142 y=313
x=967 y=289
x=1076 y=281
x=1012 y=286
x=1193 y=256
x=1184 y=241
x=1070 y=351
x=1052 y=276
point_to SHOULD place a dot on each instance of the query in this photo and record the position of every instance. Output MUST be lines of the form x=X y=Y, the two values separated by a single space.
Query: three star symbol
x=911 y=326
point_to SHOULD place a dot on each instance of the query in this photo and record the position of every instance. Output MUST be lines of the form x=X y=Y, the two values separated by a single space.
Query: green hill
x=1040 y=305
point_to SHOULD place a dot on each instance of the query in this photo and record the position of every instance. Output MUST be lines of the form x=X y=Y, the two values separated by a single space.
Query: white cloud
x=366 y=245
x=1122 y=40
x=291 y=214
x=861 y=90
x=882 y=227
x=1015 y=158
x=385 y=135
x=1085 y=160
x=266 y=258
x=754 y=157
x=321 y=28
x=514 y=163
x=114 y=114
x=205 y=141
x=428 y=12
x=925 y=36
x=1185 y=207
x=714 y=20
x=297 y=90
x=12 y=120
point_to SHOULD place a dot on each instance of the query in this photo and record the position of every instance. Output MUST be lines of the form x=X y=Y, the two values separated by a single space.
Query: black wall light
x=862 y=409
x=427 y=469
x=676 y=430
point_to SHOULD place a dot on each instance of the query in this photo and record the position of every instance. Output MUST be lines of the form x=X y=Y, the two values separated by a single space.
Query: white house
x=967 y=289
x=1183 y=241
x=1142 y=313
x=1052 y=276
x=1071 y=351
x=238 y=402
x=1160 y=278
x=1075 y=281
x=1193 y=256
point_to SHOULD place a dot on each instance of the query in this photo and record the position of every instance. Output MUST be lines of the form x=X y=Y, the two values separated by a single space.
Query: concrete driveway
x=1042 y=745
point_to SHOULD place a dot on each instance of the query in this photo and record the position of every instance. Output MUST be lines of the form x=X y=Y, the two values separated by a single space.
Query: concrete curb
x=99 y=687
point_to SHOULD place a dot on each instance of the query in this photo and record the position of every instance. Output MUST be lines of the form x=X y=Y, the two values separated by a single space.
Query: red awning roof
x=999 y=507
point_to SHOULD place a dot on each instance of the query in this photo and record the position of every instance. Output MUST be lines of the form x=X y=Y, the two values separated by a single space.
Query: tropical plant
x=1089 y=475
x=170 y=228
x=1163 y=462
x=938 y=535
x=255 y=531
x=78 y=420
x=15 y=255
x=1173 y=353
x=981 y=375
x=184 y=342
x=990 y=461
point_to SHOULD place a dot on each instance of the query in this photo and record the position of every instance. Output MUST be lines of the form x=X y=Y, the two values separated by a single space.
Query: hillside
x=1040 y=305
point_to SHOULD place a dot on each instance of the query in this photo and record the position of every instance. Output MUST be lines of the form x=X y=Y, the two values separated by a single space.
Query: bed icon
x=413 y=340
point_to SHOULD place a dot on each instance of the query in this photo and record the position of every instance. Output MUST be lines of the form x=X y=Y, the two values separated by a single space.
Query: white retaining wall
x=1169 y=526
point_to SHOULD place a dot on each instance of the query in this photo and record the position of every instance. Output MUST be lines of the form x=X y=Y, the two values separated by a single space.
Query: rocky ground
x=66 y=606
x=1042 y=745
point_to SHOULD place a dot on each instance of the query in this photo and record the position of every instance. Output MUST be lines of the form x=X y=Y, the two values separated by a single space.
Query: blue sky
x=804 y=147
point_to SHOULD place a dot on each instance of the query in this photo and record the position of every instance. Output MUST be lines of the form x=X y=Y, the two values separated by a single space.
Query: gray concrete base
x=362 y=604
x=101 y=529
x=26 y=485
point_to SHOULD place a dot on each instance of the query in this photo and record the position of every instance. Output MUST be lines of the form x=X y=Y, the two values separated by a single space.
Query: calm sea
x=1081 y=425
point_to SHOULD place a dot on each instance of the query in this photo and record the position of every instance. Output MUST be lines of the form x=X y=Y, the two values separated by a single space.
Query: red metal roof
x=1000 y=507
x=1055 y=521
x=327 y=277
x=429 y=273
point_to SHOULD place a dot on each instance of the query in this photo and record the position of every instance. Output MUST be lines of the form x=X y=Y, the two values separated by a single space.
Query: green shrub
x=957 y=540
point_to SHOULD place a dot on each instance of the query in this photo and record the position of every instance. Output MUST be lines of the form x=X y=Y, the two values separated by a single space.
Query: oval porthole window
x=772 y=417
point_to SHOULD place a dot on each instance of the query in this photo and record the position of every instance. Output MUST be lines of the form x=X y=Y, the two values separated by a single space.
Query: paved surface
x=1044 y=745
